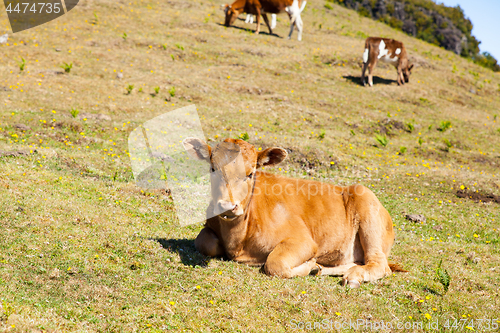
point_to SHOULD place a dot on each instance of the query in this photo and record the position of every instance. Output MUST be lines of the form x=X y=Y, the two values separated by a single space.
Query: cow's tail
x=397 y=268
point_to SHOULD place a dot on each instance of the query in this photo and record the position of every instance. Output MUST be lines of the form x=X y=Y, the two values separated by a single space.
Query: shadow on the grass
x=376 y=80
x=262 y=32
x=186 y=250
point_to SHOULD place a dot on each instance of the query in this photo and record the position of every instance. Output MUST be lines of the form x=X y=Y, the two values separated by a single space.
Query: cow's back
x=275 y=6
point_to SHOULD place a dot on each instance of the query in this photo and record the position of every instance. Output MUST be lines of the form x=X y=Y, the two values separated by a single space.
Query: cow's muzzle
x=227 y=210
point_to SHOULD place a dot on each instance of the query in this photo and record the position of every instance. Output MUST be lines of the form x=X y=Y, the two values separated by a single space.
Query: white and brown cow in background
x=263 y=7
x=386 y=50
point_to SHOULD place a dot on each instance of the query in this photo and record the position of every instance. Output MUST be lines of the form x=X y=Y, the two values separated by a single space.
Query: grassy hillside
x=83 y=249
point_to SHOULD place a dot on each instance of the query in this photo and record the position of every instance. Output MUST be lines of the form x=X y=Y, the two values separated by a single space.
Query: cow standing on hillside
x=386 y=50
x=291 y=226
x=262 y=7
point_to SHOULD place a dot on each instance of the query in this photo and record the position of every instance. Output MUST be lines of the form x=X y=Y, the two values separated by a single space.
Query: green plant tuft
x=129 y=88
x=171 y=91
x=22 y=64
x=74 y=112
x=444 y=125
x=382 y=139
x=443 y=277
x=67 y=67
x=243 y=136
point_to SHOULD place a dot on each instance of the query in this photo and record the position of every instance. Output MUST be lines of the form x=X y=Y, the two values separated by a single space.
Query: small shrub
x=322 y=134
x=164 y=46
x=328 y=6
x=352 y=133
x=444 y=125
x=173 y=58
x=67 y=67
x=179 y=46
x=171 y=91
x=74 y=112
x=447 y=143
x=420 y=141
x=124 y=36
x=382 y=139
x=22 y=64
x=402 y=150
x=410 y=127
x=140 y=89
x=129 y=88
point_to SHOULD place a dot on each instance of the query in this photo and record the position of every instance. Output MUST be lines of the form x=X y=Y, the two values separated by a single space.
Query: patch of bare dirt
x=16 y=153
x=388 y=127
x=253 y=91
x=478 y=196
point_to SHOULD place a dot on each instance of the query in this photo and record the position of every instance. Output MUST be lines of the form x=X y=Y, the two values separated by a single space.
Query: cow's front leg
x=264 y=15
x=257 y=31
x=208 y=244
x=292 y=257
x=400 y=77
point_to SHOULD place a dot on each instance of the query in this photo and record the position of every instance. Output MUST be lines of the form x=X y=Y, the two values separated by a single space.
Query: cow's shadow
x=262 y=32
x=186 y=250
x=376 y=80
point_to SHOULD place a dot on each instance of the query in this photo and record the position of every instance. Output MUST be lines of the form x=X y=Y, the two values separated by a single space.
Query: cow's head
x=407 y=72
x=231 y=15
x=233 y=164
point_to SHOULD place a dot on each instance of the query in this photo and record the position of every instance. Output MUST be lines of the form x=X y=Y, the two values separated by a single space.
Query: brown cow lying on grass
x=386 y=50
x=261 y=7
x=291 y=226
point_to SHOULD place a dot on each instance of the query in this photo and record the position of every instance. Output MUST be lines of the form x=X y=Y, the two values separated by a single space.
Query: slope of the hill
x=84 y=249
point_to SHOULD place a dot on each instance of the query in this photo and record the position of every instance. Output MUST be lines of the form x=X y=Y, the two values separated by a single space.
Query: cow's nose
x=225 y=206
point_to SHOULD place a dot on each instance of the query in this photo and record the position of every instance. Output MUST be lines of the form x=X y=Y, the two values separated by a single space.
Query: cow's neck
x=234 y=232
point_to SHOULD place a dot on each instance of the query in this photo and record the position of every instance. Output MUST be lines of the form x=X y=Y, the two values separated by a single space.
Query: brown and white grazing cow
x=291 y=226
x=386 y=50
x=262 y=7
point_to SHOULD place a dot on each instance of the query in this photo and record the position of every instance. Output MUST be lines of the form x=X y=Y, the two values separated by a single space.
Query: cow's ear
x=410 y=67
x=197 y=148
x=271 y=156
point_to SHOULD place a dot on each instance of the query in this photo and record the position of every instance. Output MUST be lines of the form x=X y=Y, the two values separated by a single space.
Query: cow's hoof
x=353 y=284
x=316 y=270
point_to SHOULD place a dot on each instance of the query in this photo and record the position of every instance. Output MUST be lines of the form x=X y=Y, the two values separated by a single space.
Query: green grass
x=83 y=249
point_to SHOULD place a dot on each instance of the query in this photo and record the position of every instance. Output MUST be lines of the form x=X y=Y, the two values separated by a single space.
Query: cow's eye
x=212 y=169
x=250 y=175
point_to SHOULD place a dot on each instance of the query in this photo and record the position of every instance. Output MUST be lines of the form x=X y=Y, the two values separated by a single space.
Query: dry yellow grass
x=83 y=249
